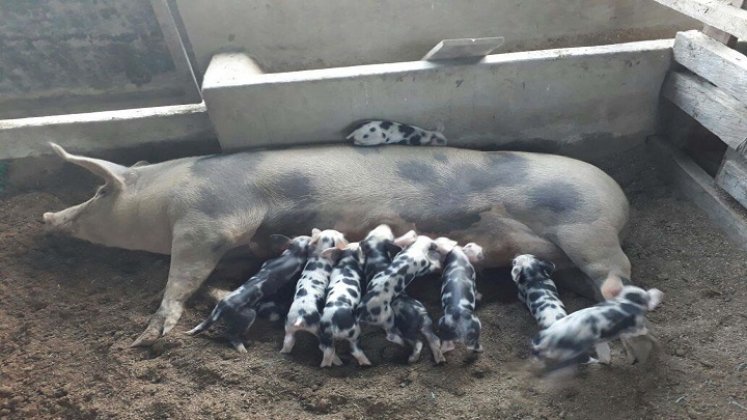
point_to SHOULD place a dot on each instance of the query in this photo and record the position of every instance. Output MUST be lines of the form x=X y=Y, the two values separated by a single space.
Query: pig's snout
x=54 y=222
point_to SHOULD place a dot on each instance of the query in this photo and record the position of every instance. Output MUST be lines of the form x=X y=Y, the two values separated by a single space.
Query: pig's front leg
x=194 y=255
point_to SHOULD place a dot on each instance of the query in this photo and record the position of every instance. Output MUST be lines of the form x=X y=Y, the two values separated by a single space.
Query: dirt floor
x=69 y=310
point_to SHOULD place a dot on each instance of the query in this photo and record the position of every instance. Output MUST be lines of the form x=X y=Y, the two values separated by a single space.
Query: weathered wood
x=713 y=108
x=451 y=49
x=732 y=176
x=715 y=62
x=701 y=189
x=723 y=16
x=720 y=35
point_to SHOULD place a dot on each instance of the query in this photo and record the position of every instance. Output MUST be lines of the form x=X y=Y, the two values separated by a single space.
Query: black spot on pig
x=560 y=197
x=294 y=186
x=343 y=318
x=311 y=318
x=406 y=130
x=301 y=293
x=440 y=156
x=385 y=125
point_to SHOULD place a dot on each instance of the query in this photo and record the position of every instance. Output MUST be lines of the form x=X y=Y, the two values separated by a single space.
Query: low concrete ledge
x=560 y=96
x=101 y=131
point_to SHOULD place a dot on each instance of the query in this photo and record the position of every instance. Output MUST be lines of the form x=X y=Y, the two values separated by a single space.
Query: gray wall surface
x=584 y=102
x=63 y=56
x=285 y=35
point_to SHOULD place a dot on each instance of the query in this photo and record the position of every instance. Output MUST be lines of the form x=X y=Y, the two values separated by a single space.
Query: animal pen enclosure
x=612 y=83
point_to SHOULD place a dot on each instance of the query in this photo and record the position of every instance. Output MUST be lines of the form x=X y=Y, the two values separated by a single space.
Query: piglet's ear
x=406 y=240
x=392 y=249
x=547 y=267
x=333 y=254
x=315 y=234
x=112 y=173
x=279 y=243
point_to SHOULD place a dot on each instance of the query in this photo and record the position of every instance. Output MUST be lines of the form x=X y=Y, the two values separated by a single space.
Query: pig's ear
x=279 y=243
x=112 y=173
x=406 y=240
x=392 y=249
x=315 y=233
x=333 y=254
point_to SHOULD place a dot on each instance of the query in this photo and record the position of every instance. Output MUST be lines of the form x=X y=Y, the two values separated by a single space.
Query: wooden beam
x=713 y=108
x=725 y=17
x=713 y=61
x=701 y=189
x=721 y=36
x=732 y=176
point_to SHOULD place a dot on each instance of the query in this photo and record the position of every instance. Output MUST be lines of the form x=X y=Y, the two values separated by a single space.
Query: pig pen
x=69 y=310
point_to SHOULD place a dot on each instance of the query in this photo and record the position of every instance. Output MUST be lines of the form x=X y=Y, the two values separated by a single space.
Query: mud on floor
x=69 y=310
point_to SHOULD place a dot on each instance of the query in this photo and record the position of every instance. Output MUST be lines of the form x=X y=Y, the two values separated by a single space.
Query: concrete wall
x=286 y=35
x=65 y=56
x=584 y=102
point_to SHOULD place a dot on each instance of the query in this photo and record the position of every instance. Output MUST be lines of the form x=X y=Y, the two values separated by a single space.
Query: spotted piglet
x=311 y=290
x=537 y=290
x=239 y=308
x=377 y=132
x=411 y=319
x=458 y=297
x=379 y=247
x=421 y=257
x=623 y=317
x=343 y=295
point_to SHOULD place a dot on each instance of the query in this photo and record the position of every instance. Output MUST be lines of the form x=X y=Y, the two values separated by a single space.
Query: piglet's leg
x=357 y=352
x=603 y=352
x=417 y=347
x=289 y=341
x=241 y=322
x=329 y=355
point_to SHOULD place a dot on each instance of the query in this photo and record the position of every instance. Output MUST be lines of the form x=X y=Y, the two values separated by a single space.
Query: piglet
x=306 y=310
x=623 y=316
x=377 y=132
x=458 y=297
x=411 y=319
x=537 y=290
x=421 y=257
x=343 y=294
x=239 y=308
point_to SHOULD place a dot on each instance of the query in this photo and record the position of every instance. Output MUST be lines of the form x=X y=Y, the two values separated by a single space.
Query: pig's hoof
x=151 y=334
x=147 y=338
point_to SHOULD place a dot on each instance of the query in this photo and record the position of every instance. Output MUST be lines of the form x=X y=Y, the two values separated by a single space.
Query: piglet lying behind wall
x=377 y=132
x=622 y=317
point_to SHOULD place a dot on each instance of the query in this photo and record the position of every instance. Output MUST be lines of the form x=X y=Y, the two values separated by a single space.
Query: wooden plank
x=715 y=62
x=451 y=49
x=713 y=108
x=701 y=189
x=732 y=176
x=721 y=36
x=725 y=17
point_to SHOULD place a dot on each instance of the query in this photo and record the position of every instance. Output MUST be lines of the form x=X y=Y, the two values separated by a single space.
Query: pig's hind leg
x=238 y=323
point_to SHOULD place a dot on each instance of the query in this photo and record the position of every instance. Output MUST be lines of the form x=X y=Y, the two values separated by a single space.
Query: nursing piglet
x=537 y=290
x=343 y=295
x=311 y=290
x=458 y=297
x=239 y=308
